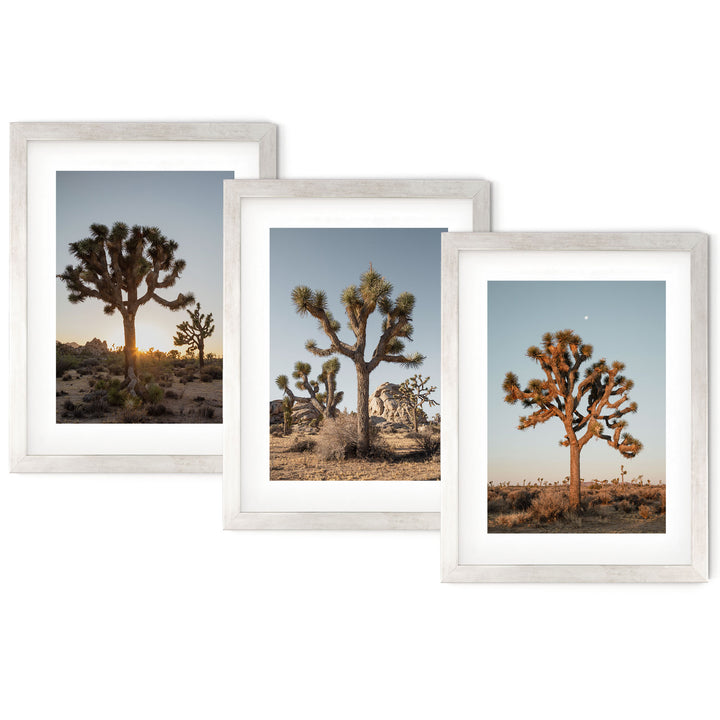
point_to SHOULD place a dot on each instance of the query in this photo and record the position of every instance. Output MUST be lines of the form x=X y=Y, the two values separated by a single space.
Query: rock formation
x=276 y=411
x=387 y=403
x=96 y=347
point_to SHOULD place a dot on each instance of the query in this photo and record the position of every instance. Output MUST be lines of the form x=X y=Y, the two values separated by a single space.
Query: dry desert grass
x=293 y=457
x=605 y=508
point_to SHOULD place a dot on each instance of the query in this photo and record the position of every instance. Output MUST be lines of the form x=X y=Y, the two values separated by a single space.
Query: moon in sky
x=586 y=317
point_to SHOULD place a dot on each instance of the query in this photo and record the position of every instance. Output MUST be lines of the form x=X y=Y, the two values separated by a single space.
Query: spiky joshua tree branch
x=591 y=406
x=112 y=266
x=360 y=302
x=194 y=332
x=324 y=403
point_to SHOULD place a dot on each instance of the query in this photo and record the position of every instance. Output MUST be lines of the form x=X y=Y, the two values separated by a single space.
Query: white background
x=122 y=598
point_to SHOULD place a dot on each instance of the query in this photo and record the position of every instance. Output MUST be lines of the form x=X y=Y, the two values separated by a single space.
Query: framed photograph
x=117 y=269
x=332 y=350
x=575 y=407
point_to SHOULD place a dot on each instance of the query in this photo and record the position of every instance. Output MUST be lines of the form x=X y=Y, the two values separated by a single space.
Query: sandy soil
x=192 y=396
x=288 y=465
x=617 y=523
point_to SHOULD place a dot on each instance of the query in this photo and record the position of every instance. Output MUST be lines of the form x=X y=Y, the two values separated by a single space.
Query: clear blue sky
x=622 y=321
x=186 y=206
x=331 y=259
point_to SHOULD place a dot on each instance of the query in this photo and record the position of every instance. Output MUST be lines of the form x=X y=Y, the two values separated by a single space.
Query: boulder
x=386 y=403
x=276 y=411
x=304 y=412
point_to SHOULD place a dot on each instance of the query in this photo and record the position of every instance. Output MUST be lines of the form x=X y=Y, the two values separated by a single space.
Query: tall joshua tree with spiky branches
x=325 y=403
x=360 y=302
x=592 y=407
x=194 y=332
x=112 y=265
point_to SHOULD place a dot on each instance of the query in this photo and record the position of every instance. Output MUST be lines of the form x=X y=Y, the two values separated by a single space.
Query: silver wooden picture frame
x=244 y=201
x=170 y=137
x=470 y=551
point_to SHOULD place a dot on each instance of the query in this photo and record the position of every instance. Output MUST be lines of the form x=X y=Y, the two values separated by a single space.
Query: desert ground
x=606 y=507
x=397 y=456
x=89 y=387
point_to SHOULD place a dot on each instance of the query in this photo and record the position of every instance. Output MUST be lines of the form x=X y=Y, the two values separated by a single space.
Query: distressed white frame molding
x=696 y=245
x=234 y=516
x=264 y=134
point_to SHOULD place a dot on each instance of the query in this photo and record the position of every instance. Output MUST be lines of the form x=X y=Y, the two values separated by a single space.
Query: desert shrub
x=206 y=377
x=302 y=445
x=171 y=395
x=69 y=405
x=64 y=362
x=651 y=493
x=427 y=439
x=130 y=415
x=116 y=396
x=215 y=371
x=604 y=496
x=155 y=393
x=91 y=382
x=116 y=365
x=338 y=439
x=625 y=506
x=77 y=411
x=67 y=376
x=644 y=512
x=96 y=407
x=549 y=506
x=521 y=499
x=198 y=398
x=276 y=431
x=634 y=498
x=206 y=411
x=497 y=504
x=513 y=519
x=157 y=409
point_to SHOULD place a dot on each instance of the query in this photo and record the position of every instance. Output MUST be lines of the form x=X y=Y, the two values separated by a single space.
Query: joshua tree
x=112 y=265
x=287 y=405
x=193 y=333
x=324 y=403
x=360 y=302
x=589 y=408
x=415 y=392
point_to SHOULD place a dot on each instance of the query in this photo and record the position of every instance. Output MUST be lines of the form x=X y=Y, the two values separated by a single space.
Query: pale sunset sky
x=186 y=206
x=622 y=320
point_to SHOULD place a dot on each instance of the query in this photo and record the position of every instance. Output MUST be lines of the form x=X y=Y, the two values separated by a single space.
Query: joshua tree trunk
x=201 y=352
x=574 y=475
x=363 y=400
x=415 y=419
x=130 y=351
